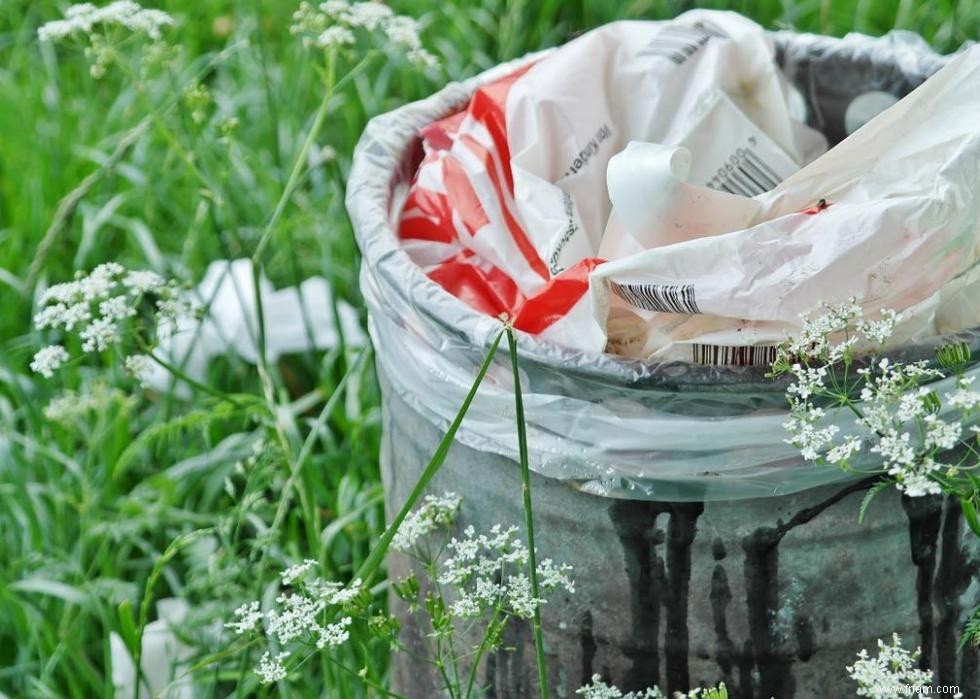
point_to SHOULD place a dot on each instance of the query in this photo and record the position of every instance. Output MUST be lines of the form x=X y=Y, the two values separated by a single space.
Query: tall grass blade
x=532 y=563
x=371 y=563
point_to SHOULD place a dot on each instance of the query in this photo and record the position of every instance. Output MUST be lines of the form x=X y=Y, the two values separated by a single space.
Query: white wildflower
x=370 y=15
x=894 y=405
x=65 y=293
x=295 y=572
x=815 y=333
x=336 y=23
x=422 y=58
x=845 y=450
x=297 y=617
x=336 y=36
x=48 y=359
x=271 y=669
x=99 y=335
x=910 y=405
x=334 y=593
x=116 y=308
x=172 y=308
x=73 y=405
x=837 y=352
x=806 y=437
x=248 y=618
x=434 y=513
x=880 y=330
x=99 y=282
x=60 y=315
x=82 y=18
x=519 y=598
x=336 y=9
x=334 y=634
x=139 y=366
x=552 y=576
x=916 y=484
x=888 y=675
x=941 y=434
x=65 y=408
x=808 y=381
x=964 y=398
x=896 y=449
x=600 y=690
x=403 y=31
x=347 y=594
x=465 y=607
x=910 y=472
x=488 y=571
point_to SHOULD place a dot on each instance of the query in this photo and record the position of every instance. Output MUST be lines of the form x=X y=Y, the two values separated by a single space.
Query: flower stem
x=528 y=518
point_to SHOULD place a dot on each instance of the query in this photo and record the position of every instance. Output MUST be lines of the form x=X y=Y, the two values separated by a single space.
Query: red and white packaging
x=646 y=188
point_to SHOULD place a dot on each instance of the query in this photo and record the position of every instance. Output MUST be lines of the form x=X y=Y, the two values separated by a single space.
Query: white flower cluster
x=96 y=306
x=271 y=668
x=313 y=612
x=83 y=17
x=296 y=572
x=335 y=23
x=894 y=405
x=488 y=571
x=436 y=512
x=598 y=689
x=816 y=334
x=49 y=359
x=73 y=405
x=891 y=673
x=249 y=616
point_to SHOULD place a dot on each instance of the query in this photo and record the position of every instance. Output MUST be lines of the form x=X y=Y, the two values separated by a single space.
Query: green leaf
x=719 y=692
x=954 y=356
x=167 y=430
x=127 y=625
x=869 y=496
x=971 y=631
x=53 y=588
x=970 y=514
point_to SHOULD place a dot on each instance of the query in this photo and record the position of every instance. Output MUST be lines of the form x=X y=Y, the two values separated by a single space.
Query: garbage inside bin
x=651 y=189
x=609 y=425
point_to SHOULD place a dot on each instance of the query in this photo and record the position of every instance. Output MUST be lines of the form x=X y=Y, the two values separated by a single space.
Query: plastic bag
x=297 y=319
x=509 y=209
x=608 y=425
x=899 y=195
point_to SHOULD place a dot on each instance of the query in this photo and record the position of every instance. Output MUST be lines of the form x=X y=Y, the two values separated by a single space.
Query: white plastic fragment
x=297 y=319
x=164 y=657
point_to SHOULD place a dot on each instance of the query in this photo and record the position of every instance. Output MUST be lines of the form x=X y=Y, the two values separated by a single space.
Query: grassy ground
x=88 y=509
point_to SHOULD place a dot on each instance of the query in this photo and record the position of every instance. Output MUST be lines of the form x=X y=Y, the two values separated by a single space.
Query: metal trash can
x=703 y=548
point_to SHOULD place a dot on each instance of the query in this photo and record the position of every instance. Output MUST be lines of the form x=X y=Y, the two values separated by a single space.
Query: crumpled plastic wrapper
x=297 y=319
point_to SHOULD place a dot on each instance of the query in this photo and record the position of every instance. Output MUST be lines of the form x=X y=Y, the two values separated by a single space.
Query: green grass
x=88 y=510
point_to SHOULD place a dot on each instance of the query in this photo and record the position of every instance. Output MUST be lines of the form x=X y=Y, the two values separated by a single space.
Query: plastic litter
x=612 y=426
x=724 y=220
x=297 y=319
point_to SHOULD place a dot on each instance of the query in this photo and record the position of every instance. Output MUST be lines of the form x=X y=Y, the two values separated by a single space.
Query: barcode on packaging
x=677 y=43
x=721 y=355
x=745 y=173
x=664 y=298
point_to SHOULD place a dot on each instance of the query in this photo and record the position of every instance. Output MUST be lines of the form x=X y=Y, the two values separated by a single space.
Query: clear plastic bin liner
x=609 y=426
